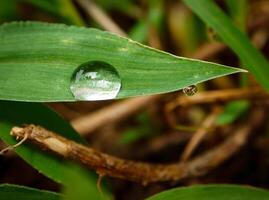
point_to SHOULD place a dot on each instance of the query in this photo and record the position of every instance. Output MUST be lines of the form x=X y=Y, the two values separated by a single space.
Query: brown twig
x=112 y=113
x=23 y=139
x=213 y=97
x=140 y=171
x=218 y=96
x=101 y=17
x=64 y=110
x=155 y=145
x=160 y=142
x=208 y=50
x=200 y=133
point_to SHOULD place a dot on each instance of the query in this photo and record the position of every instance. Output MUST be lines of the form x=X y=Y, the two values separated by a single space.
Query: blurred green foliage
x=144 y=129
x=81 y=185
x=232 y=112
x=188 y=32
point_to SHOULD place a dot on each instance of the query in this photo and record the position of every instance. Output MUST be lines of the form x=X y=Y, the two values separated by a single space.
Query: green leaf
x=232 y=111
x=125 y=6
x=14 y=192
x=79 y=185
x=51 y=6
x=18 y=113
x=37 y=61
x=144 y=129
x=156 y=13
x=238 y=11
x=61 y=8
x=213 y=192
x=139 y=31
x=215 y=17
x=8 y=11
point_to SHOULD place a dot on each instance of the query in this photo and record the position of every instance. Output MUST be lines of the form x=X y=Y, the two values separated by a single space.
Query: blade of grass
x=13 y=192
x=37 y=61
x=17 y=113
x=139 y=32
x=238 y=11
x=79 y=185
x=125 y=6
x=254 y=61
x=8 y=11
x=144 y=129
x=61 y=8
x=232 y=112
x=213 y=192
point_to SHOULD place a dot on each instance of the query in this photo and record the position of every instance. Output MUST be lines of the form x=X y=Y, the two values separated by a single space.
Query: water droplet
x=95 y=80
x=190 y=90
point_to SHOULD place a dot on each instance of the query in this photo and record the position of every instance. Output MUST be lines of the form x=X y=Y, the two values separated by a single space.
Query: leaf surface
x=213 y=192
x=18 y=113
x=15 y=192
x=252 y=58
x=37 y=61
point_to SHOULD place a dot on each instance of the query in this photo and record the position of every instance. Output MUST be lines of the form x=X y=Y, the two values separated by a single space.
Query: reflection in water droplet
x=190 y=90
x=95 y=80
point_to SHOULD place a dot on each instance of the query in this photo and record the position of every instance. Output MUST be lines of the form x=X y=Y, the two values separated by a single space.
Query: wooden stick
x=101 y=17
x=111 y=114
x=139 y=171
x=218 y=96
x=200 y=134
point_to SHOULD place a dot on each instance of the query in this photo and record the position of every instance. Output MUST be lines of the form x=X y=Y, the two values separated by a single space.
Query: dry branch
x=140 y=171
x=200 y=133
x=218 y=96
x=101 y=17
x=111 y=114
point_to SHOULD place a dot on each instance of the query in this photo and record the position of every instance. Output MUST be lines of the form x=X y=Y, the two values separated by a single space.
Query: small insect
x=190 y=90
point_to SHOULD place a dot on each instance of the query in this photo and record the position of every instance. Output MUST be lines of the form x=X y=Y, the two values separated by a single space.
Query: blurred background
x=157 y=128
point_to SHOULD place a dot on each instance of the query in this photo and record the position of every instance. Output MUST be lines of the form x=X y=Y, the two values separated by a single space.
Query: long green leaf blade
x=14 y=192
x=79 y=185
x=213 y=192
x=38 y=59
x=64 y=9
x=18 y=113
x=215 y=17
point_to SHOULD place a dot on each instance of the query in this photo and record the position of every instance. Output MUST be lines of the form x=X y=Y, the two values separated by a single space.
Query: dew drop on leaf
x=95 y=80
x=190 y=90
